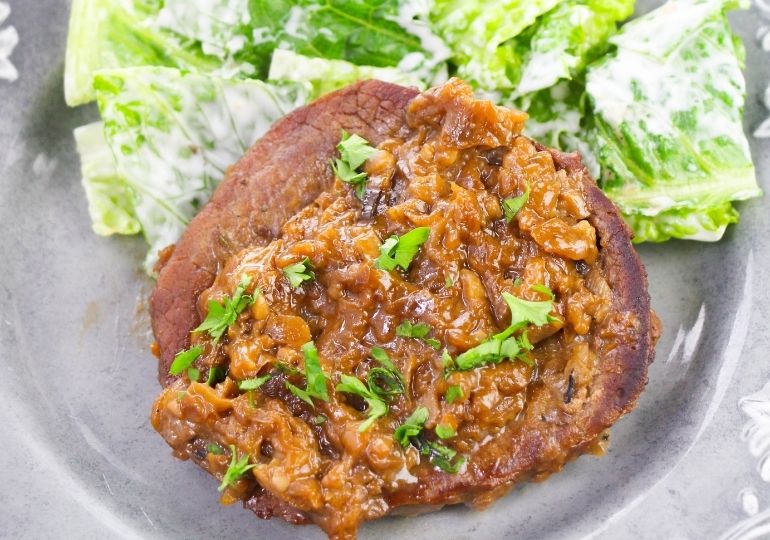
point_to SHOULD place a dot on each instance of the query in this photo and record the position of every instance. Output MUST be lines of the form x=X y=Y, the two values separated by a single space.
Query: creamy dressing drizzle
x=9 y=38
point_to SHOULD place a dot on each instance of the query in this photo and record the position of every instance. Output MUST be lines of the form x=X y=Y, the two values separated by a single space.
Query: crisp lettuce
x=327 y=75
x=106 y=34
x=174 y=134
x=566 y=39
x=667 y=119
x=110 y=198
x=480 y=33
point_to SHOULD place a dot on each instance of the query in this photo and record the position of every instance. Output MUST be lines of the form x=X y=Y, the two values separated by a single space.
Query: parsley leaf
x=411 y=427
x=408 y=329
x=221 y=315
x=377 y=407
x=442 y=456
x=214 y=448
x=381 y=356
x=315 y=377
x=419 y=331
x=504 y=345
x=512 y=205
x=524 y=312
x=354 y=151
x=185 y=359
x=299 y=272
x=445 y=431
x=193 y=374
x=448 y=282
x=453 y=393
x=217 y=374
x=539 y=287
x=253 y=384
x=385 y=381
x=399 y=251
x=236 y=469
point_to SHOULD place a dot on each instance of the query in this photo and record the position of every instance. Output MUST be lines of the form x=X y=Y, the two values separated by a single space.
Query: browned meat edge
x=282 y=173
x=285 y=171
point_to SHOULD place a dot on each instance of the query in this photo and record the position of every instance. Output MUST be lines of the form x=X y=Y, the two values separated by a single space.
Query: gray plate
x=80 y=459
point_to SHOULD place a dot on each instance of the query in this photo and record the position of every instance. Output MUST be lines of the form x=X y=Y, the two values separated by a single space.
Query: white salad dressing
x=197 y=127
x=9 y=38
x=213 y=23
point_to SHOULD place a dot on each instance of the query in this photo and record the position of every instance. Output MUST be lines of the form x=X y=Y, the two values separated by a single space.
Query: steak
x=281 y=174
x=444 y=162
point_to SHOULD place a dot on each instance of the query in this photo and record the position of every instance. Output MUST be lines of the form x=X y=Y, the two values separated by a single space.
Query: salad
x=185 y=87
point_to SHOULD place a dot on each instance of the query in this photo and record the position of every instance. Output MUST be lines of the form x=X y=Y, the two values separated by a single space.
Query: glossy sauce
x=464 y=156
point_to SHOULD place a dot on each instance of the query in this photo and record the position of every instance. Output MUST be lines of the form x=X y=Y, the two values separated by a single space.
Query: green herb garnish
x=442 y=456
x=376 y=406
x=217 y=374
x=193 y=374
x=399 y=251
x=354 y=151
x=315 y=378
x=445 y=431
x=214 y=448
x=418 y=331
x=512 y=205
x=236 y=469
x=449 y=282
x=505 y=345
x=411 y=427
x=299 y=272
x=385 y=381
x=223 y=314
x=320 y=419
x=453 y=393
x=184 y=359
x=539 y=287
x=253 y=384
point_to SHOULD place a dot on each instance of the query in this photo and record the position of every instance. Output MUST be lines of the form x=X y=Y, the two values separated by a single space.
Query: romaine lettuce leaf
x=110 y=199
x=706 y=224
x=107 y=34
x=173 y=135
x=363 y=32
x=479 y=34
x=565 y=39
x=667 y=123
x=327 y=75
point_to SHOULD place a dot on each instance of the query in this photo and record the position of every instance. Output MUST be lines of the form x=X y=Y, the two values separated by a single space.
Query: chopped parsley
x=512 y=205
x=184 y=359
x=399 y=251
x=299 y=272
x=453 y=393
x=385 y=381
x=449 y=282
x=539 y=287
x=320 y=419
x=419 y=331
x=237 y=468
x=217 y=374
x=193 y=374
x=253 y=384
x=505 y=345
x=442 y=456
x=315 y=378
x=411 y=427
x=445 y=431
x=354 y=151
x=376 y=406
x=222 y=314
x=214 y=448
